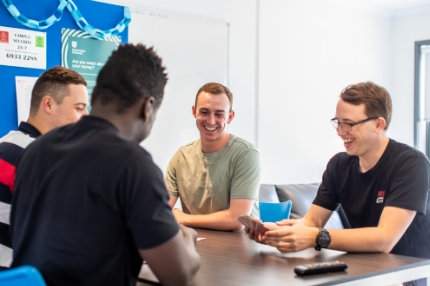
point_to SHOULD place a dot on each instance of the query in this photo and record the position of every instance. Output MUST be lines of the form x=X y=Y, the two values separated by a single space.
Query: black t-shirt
x=399 y=179
x=86 y=200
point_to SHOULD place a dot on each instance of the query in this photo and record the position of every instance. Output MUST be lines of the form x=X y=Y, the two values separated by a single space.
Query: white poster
x=24 y=86
x=22 y=48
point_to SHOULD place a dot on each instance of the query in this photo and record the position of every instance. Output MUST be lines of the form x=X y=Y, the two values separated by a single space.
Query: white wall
x=241 y=15
x=309 y=51
x=408 y=27
x=195 y=51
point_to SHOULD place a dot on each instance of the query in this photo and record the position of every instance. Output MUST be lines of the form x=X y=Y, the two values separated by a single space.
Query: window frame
x=417 y=100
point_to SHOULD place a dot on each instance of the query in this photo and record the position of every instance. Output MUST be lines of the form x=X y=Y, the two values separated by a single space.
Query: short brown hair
x=376 y=99
x=54 y=82
x=216 y=89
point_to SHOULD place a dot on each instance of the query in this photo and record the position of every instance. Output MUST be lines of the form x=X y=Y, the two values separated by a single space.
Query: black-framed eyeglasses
x=347 y=126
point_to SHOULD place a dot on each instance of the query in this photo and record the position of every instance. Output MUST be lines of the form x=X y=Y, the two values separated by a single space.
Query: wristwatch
x=323 y=239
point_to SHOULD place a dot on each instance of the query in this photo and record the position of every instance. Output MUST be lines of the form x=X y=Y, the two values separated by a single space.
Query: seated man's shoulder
x=242 y=143
x=188 y=147
x=191 y=144
x=405 y=152
x=17 y=138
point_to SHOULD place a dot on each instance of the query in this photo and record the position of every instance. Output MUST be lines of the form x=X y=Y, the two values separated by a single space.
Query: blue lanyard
x=77 y=16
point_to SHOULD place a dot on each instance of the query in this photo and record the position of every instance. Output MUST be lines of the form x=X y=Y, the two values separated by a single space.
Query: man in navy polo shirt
x=59 y=97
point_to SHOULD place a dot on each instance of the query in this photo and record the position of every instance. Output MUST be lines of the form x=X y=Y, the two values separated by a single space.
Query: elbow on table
x=193 y=267
x=386 y=246
x=184 y=274
x=236 y=226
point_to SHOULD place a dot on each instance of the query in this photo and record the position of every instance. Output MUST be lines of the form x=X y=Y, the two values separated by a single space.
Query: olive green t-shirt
x=206 y=183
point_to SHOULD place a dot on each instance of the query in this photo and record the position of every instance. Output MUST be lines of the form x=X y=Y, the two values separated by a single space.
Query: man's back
x=81 y=215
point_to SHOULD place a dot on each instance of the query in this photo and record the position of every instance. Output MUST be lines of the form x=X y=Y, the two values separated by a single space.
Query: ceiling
x=391 y=4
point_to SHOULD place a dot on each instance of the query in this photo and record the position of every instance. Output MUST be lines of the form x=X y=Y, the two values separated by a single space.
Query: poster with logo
x=22 y=48
x=86 y=55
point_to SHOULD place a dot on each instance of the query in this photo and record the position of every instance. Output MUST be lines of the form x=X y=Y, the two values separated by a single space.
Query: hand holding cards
x=256 y=225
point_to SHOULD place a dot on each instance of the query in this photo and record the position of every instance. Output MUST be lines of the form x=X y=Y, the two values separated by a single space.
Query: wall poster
x=86 y=55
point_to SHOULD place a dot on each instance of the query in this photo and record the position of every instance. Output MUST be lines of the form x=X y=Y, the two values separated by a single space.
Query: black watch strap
x=323 y=239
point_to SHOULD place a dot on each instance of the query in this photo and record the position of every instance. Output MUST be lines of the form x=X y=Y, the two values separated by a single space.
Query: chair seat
x=22 y=275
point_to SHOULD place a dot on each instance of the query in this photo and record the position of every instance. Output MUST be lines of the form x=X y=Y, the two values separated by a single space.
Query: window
x=422 y=97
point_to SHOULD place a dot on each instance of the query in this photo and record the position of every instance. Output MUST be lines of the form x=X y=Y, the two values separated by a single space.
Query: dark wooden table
x=231 y=258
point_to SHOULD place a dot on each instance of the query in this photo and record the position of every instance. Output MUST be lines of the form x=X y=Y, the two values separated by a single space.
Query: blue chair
x=275 y=211
x=22 y=275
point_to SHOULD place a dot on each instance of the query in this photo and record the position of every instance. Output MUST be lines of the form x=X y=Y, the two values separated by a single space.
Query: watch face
x=323 y=238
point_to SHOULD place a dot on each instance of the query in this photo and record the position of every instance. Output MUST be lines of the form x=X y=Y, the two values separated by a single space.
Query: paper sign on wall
x=22 y=48
x=24 y=86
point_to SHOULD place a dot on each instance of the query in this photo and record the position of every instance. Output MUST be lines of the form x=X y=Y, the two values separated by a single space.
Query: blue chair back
x=273 y=212
x=22 y=275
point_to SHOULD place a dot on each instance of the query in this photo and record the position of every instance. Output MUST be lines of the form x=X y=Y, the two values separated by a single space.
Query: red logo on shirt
x=380 y=198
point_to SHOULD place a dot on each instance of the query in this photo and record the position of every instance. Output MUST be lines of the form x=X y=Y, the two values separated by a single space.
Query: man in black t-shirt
x=90 y=204
x=382 y=185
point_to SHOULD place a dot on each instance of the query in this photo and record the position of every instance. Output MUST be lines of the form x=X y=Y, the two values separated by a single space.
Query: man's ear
x=230 y=117
x=380 y=124
x=147 y=108
x=193 y=110
x=46 y=104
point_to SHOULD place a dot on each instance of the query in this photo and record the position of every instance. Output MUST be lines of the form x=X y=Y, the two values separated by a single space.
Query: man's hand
x=257 y=232
x=292 y=235
x=179 y=215
x=190 y=235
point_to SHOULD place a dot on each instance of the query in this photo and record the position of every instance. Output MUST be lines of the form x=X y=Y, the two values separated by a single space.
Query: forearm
x=368 y=239
x=185 y=272
x=295 y=235
x=393 y=223
x=221 y=220
x=192 y=259
x=184 y=261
